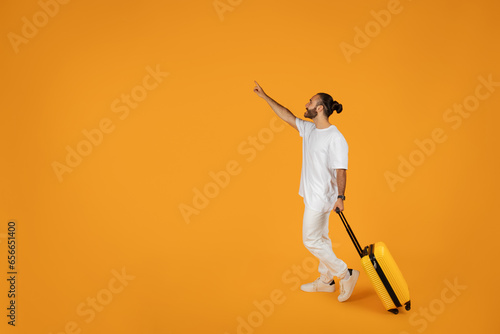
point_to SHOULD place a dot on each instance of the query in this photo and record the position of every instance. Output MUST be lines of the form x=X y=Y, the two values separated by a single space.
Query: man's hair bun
x=337 y=107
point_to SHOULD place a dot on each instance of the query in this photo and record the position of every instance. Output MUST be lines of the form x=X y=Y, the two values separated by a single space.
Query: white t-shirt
x=323 y=151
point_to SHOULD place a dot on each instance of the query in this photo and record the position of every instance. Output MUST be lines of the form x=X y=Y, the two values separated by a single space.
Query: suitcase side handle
x=350 y=232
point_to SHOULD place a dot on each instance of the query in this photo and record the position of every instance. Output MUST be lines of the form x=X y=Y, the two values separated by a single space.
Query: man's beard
x=311 y=113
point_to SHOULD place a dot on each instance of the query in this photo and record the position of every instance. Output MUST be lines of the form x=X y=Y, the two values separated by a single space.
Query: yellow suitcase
x=383 y=272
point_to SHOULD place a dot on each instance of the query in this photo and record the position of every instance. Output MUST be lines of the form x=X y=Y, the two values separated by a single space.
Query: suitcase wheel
x=394 y=310
x=408 y=305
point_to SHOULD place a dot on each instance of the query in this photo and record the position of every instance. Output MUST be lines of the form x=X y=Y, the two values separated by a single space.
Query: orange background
x=120 y=207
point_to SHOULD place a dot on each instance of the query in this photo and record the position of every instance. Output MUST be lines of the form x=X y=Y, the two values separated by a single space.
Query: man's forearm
x=281 y=111
x=341 y=180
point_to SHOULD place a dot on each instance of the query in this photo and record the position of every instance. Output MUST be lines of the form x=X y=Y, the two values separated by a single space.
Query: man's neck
x=321 y=123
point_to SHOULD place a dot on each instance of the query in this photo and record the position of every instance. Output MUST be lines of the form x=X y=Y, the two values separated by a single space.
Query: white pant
x=316 y=239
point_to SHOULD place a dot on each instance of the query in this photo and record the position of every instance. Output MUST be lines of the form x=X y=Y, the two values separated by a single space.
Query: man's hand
x=339 y=204
x=259 y=91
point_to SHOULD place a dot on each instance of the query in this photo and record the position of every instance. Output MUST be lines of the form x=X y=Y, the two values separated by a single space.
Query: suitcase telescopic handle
x=350 y=232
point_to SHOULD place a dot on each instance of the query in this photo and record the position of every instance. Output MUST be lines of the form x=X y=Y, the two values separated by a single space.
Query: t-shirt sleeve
x=338 y=153
x=303 y=126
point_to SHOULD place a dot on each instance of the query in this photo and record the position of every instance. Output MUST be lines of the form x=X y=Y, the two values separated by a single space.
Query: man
x=322 y=185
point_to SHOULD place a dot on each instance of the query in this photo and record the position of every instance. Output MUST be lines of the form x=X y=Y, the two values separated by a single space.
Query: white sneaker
x=347 y=286
x=318 y=286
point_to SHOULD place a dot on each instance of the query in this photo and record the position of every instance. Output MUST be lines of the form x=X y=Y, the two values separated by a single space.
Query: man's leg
x=326 y=275
x=316 y=240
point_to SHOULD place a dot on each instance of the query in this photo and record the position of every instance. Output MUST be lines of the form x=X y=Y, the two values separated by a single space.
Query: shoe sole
x=318 y=290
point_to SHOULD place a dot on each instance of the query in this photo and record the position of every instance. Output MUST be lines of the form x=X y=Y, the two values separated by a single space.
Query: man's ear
x=319 y=106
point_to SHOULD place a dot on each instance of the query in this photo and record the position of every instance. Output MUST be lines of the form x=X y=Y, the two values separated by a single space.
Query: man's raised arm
x=281 y=111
